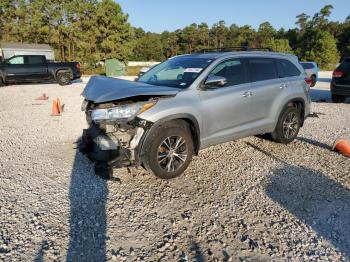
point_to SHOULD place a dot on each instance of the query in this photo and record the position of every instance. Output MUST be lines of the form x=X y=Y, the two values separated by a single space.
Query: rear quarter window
x=307 y=65
x=287 y=69
x=34 y=60
x=261 y=69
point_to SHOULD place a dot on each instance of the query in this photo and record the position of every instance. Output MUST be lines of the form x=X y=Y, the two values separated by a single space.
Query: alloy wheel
x=172 y=153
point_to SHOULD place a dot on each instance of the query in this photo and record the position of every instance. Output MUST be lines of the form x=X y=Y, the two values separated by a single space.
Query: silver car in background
x=189 y=103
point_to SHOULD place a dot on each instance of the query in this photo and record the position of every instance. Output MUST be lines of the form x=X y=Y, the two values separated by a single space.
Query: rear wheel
x=63 y=78
x=338 y=99
x=168 y=150
x=313 y=80
x=288 y=126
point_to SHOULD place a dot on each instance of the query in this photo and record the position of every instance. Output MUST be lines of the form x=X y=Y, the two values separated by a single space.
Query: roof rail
x=235 y=48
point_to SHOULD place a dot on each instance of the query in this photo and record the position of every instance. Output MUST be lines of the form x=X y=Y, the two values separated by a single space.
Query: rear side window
x=345 y=65
x=261 y=69
x=307 y=65
x=287 y=68
x=34 y=60
x=232 y=70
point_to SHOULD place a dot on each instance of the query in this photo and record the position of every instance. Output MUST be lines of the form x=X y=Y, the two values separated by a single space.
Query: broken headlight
x=121 y=111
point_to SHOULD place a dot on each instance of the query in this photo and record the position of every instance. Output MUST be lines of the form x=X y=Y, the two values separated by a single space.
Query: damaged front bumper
x=114 y=144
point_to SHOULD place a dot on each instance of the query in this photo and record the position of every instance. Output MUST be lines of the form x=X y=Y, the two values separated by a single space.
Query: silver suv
x=191 y=102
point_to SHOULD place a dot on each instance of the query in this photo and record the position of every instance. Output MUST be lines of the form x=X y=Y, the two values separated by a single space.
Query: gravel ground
x=249 y=200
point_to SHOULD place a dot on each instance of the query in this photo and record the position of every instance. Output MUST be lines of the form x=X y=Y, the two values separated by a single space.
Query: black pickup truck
x=35 y=68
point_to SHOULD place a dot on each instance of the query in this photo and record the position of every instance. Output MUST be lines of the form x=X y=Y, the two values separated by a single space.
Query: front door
x=226 y=110
x=15 y=69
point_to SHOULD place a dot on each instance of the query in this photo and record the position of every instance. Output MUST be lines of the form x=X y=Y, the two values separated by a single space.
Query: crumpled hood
x=102 y=89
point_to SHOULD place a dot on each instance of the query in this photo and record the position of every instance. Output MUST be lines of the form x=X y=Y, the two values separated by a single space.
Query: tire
x=313 y=81
x=288 y=126
x=63 y=78
x=338 y=99
x=168 y=150
x=1 y=82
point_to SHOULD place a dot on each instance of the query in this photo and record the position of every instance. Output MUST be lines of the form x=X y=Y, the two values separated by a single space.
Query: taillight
x=78 y=66
x=308 y=81
x=337 y=74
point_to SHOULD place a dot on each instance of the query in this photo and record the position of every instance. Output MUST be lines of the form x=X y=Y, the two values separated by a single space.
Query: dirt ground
x=247 y=200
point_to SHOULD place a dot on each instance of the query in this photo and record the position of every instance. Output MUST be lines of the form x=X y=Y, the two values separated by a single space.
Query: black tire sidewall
x=60 y=78
x=154 y=140
x=313 y=79
x=278 y=134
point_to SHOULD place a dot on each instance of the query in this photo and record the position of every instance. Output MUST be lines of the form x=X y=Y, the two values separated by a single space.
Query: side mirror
x=213 y=82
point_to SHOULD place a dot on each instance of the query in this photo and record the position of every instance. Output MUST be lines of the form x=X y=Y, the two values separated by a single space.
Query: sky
x=159 y=15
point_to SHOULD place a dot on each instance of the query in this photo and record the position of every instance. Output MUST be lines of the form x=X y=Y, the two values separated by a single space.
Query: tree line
x=89 y=31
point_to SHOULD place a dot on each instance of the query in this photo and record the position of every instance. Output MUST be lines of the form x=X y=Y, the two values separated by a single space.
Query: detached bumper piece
x=104 y=150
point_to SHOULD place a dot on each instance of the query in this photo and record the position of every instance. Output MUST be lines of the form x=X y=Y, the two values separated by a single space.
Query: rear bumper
x=76 y=75
x=342 y=90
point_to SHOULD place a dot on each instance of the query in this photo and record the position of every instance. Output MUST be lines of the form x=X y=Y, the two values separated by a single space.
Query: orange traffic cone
x=43 y=97
x=55 y=109
x=59 y=105
x=343 y=146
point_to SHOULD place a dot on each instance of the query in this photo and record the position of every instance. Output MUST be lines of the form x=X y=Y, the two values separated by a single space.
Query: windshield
x=177 y=72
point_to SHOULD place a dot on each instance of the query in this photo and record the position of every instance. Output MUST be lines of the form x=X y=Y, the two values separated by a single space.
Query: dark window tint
x=345 y=65
x=307 y=65
x=262 y=69
x=232 y=70
x=35 y=60
x=287 y=68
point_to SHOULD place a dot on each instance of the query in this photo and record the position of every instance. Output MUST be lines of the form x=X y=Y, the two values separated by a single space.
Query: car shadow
x=88 y=221
x=324 y=80
x=318 y=95
x=314 y=198
x=314 y=143
x=323 y=96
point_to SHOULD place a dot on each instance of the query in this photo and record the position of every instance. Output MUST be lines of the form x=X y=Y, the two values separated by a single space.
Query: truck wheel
x=168 y=150
x=63 y=78
x=288 y=126
x=338 y=99
x=1 y=82
x=313 y=81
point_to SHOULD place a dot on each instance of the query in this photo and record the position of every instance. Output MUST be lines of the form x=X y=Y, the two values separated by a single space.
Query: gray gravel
x=249 y=200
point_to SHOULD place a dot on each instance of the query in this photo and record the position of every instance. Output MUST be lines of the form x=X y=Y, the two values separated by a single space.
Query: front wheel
x=168 y=150
x=288 y=126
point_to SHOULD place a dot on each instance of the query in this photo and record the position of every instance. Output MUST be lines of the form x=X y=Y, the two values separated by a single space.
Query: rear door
x=36 y=68
x=266 y=88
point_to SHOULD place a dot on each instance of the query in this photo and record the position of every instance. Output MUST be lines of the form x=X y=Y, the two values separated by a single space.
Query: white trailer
x=8 y=50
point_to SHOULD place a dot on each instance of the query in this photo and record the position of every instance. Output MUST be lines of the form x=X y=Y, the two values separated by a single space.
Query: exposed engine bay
x=114 y=143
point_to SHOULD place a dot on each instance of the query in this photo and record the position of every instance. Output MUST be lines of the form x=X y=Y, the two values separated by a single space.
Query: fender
x=194 y=126
x=64 y=69
x=295 y=100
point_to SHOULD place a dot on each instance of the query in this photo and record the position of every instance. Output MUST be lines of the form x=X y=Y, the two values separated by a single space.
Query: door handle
x=247 y=94
x=283 y=86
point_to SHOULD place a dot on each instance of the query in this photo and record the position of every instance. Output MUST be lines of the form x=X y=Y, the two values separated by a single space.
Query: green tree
x=114 y=33
x=148 y=48
x=321 y=47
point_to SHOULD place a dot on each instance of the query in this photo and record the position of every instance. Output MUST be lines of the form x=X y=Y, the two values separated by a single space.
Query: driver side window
x=232 y=70
x=18 y=60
